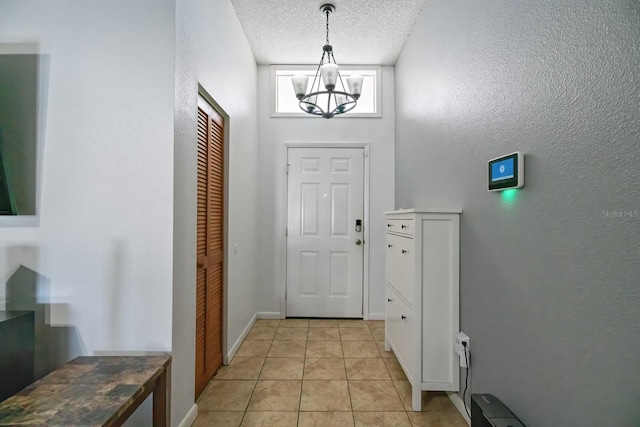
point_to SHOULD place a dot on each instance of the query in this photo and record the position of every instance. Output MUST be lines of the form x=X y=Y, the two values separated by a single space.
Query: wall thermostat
x=506 y=172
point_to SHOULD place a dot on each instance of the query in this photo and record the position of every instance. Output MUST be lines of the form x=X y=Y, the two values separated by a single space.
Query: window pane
x=286 y=101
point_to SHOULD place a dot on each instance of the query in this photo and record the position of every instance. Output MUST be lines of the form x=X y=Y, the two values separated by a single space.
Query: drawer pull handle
x=403 y=226
x=389 y=225
x=389 y=300
x=403 y=317
x=404 y=252
x=390 y=245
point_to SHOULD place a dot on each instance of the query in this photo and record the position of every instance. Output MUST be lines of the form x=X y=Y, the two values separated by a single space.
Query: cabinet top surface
x=10 y=315
x=418 y=211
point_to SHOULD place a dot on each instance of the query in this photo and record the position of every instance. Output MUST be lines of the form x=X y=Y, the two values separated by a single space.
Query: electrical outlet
x=462 y=348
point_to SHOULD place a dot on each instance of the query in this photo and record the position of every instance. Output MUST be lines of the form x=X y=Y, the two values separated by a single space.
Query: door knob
x=403 y=317
x=358 y=242
x=200 y=265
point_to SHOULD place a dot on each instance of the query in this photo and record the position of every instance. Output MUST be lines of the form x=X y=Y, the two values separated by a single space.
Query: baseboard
x=377 y=316
x=459 y=404
x=236 y=346
x=271 y=315
x=190 y=418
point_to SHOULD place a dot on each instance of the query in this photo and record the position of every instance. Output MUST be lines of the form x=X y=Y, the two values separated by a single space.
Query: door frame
x=225 y=238
x=284 y=217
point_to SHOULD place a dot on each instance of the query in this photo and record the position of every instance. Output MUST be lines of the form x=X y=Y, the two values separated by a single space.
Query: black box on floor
x=488 y=411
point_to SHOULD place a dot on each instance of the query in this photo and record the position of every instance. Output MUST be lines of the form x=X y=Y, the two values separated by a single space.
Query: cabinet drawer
x=402 y=226
x=399 y=264
x=400 y=324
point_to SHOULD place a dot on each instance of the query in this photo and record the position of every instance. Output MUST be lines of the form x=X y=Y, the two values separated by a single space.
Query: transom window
x=285 y=103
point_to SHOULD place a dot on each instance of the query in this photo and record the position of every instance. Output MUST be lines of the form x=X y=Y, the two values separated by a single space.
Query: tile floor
x=311 y=372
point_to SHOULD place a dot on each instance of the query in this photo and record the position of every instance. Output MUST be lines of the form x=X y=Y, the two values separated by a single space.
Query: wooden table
x=93 y=391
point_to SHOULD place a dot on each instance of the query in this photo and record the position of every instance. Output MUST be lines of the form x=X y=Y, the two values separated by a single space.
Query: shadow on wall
x=26 y=290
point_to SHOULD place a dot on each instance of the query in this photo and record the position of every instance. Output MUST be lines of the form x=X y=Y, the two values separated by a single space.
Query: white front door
x=324 y=247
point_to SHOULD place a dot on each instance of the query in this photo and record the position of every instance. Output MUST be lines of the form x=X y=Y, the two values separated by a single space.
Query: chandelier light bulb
x=300 y=82
x=313 y=99
x=355 y=85
x=329 y=75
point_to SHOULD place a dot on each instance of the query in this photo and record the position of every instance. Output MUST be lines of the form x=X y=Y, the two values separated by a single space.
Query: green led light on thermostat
x=510 y=196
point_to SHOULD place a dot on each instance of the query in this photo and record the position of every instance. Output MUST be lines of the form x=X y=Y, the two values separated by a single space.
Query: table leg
x=160 y=392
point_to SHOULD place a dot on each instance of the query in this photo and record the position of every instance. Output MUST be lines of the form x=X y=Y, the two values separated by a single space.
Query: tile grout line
x=258 y=378
x=393 y=381
x=353 y=415
x=254 y=387
x=304 y=366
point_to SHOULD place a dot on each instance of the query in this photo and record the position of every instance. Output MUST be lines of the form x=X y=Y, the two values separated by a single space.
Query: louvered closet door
x=209 y=273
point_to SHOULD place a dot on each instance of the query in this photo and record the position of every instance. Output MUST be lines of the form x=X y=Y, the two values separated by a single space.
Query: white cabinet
x=422 y=296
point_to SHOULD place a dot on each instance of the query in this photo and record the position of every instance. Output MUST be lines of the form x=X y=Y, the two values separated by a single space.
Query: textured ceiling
x=360 y=31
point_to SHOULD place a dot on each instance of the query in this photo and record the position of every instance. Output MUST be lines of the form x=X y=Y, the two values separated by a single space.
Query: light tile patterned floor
x=318 y=372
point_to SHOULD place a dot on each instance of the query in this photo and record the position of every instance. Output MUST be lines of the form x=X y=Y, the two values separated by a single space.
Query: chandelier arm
x=344 y=88
x=313 y=108
x=346 y=107
x=318 y=73
x=342 y=108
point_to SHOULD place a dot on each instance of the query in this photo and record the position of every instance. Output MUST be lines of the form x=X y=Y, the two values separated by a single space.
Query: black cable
x=467 y=358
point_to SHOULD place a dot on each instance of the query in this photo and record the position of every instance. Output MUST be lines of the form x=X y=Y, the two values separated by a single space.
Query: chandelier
x=338 y=100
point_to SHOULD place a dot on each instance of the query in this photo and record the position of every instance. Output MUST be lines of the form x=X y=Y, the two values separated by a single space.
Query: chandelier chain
x=327 y=12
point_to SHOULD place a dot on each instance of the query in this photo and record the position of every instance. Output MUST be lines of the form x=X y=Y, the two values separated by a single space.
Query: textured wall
x=184 y=214
x=228 y=71
x=549 y=278
x=211 y=49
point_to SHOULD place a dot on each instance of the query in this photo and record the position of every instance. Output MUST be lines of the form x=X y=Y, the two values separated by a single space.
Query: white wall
x=549 y=279
x=274 y=134
x=211 y=49
x=104 y=238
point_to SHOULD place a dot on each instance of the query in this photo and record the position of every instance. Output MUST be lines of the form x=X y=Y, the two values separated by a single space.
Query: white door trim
x=282 y=176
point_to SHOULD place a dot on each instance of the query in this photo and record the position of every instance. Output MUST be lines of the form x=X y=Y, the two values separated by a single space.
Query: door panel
x=209 y=243
x=339 y=270
x=324 y=263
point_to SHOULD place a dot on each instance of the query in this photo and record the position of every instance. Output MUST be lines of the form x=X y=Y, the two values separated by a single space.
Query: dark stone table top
x=88 y=391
